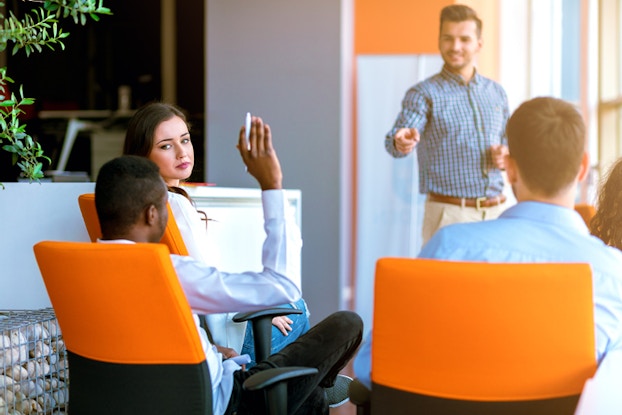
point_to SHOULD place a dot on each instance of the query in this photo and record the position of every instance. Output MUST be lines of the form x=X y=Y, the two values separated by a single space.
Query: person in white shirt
x=160 y=132
x=131 y=197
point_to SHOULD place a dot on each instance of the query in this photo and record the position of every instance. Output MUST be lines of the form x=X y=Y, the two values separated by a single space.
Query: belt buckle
x=478 y=202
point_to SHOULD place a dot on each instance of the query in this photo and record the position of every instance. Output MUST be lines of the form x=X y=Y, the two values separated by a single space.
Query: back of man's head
x=546 y=139
x=125 y=187
x=460 y=13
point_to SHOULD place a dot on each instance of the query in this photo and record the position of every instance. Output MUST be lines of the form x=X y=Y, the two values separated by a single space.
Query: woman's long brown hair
x=607 y=222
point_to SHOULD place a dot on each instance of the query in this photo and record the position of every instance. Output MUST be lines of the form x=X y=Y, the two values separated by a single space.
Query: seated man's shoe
x=337 y=395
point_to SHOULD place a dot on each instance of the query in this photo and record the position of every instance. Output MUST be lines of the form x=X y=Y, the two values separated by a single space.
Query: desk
x=81 y=120
x=601 y=394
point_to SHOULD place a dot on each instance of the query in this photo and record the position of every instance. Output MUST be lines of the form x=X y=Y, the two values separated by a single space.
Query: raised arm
x=210 y=290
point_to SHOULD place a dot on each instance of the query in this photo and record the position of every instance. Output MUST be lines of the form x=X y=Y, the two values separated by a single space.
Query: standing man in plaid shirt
x=457 y=119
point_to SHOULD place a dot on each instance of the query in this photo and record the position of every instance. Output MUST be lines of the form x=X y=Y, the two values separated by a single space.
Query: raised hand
x=259 y=156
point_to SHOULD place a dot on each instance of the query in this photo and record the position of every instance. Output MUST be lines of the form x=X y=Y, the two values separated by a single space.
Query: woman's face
x=172 y=151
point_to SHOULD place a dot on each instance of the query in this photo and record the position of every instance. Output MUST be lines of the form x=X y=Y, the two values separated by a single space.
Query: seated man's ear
x=151 y=215
x=585 y=167
x=510 y=169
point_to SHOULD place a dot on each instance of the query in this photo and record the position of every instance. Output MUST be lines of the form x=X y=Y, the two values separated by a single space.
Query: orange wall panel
x=397 y=26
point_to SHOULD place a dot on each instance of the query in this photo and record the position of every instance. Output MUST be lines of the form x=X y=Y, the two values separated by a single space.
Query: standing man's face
x=459 y=44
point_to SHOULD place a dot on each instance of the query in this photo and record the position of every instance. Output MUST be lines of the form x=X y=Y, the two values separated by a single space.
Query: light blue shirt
x=458 y=122
x=533 y=232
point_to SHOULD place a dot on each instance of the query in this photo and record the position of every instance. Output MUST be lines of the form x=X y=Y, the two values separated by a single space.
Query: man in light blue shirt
x=546 y=161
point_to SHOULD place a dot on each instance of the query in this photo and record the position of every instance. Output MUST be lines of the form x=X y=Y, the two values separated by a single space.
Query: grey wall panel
x=280 y=59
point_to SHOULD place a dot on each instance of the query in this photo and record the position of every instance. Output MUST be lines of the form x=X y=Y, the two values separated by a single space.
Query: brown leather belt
x=477 y=203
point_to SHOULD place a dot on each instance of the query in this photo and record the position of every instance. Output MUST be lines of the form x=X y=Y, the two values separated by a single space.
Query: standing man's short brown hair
x=461 y=13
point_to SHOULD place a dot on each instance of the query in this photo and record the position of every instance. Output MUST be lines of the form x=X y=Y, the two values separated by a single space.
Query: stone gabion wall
x=33 y=364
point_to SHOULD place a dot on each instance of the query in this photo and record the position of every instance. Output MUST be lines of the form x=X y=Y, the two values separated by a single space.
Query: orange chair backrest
x=586 y=211
x=171 y=238
x=120 y=303
x=483 y=331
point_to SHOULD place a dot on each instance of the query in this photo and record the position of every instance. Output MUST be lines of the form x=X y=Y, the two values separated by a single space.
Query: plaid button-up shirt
x=458 y=123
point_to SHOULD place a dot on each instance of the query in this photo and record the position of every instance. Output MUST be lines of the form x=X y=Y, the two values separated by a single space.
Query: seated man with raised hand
x=546 y=161
x=131 y=198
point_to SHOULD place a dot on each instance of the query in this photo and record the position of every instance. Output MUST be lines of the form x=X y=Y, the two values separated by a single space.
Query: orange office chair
x=586 y=211
x=260 y=320
x=132 y=344
x=481 y=337
x=171 y=238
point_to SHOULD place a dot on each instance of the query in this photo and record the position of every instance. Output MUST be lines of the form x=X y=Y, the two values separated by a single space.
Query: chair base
x=387 y=400
x=104 y=388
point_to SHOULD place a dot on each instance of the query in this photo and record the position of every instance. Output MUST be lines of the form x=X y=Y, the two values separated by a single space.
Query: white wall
x=30 y=213
x=390 y=208
x=281 y=59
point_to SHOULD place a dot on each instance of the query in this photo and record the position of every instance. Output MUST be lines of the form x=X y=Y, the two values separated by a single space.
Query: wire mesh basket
x=33 y=364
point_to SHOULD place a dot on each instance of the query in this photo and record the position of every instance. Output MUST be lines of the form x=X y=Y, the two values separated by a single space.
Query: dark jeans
x=327 y=346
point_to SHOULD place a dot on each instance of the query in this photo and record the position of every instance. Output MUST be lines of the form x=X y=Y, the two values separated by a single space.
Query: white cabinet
x=235 y=227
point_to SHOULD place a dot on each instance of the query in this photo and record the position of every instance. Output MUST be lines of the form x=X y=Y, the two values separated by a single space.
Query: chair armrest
x=262 y=327
x=268 y=312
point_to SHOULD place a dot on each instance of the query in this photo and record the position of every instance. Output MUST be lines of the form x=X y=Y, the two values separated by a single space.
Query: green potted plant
x=30 y=33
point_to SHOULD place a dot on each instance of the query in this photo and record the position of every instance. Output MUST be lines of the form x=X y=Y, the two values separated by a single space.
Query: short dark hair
x=546 y=138
x=461 y=13
x=141 y=127
x=125 y=187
